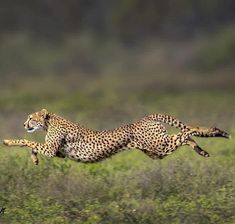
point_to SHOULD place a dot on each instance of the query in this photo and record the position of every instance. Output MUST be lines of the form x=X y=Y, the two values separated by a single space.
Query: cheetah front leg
x=196 y=147
x=21 y=143
x=47 y=149
x=35 y=158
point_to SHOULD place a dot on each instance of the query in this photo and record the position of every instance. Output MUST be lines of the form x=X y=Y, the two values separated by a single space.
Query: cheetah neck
x=55 y=120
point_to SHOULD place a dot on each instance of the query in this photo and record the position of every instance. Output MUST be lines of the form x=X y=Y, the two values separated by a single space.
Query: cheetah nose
x=24 y=124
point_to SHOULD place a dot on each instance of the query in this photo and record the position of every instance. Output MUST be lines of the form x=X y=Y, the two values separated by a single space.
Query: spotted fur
x=67 y=139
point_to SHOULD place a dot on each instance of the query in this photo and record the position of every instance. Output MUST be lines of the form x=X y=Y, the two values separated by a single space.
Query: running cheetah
x=67 y=139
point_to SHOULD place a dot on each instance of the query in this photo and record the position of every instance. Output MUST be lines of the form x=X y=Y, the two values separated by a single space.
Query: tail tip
x=226 y=135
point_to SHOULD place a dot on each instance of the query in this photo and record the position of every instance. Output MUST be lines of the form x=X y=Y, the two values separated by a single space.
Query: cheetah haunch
x=66 y=139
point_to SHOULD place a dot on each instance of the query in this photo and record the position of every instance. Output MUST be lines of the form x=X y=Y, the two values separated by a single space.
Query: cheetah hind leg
x=197 y=148
x=208 y=132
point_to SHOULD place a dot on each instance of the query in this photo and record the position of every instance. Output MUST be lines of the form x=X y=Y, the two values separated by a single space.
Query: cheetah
x=67 y=139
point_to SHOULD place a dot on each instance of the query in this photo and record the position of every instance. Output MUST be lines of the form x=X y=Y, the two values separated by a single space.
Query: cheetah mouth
x=30 y=129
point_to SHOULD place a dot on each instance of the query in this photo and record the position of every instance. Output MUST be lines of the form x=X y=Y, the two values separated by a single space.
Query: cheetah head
x=36 y=121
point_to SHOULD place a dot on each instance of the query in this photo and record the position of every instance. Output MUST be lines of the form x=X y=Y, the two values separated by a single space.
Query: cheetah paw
x=7 y=142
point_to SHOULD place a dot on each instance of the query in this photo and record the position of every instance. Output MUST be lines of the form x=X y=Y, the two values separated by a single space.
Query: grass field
x=104 y=86
x=129 y=187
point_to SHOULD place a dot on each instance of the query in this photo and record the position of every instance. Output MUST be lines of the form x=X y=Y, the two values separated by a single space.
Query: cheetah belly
x=88 y=153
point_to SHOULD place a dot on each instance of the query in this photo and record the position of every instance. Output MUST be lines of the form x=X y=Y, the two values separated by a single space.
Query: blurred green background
x=104 y=64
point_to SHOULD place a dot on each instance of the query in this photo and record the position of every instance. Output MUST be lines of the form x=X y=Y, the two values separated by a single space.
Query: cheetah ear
x=44 y=113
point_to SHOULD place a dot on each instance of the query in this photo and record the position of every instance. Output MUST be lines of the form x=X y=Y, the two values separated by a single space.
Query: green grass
x=127 y=188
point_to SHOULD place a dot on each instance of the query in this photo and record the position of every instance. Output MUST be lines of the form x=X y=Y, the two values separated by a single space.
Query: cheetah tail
x=208 y=132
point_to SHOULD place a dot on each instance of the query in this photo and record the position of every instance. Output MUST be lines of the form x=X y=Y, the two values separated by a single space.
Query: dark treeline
x=124 y=19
